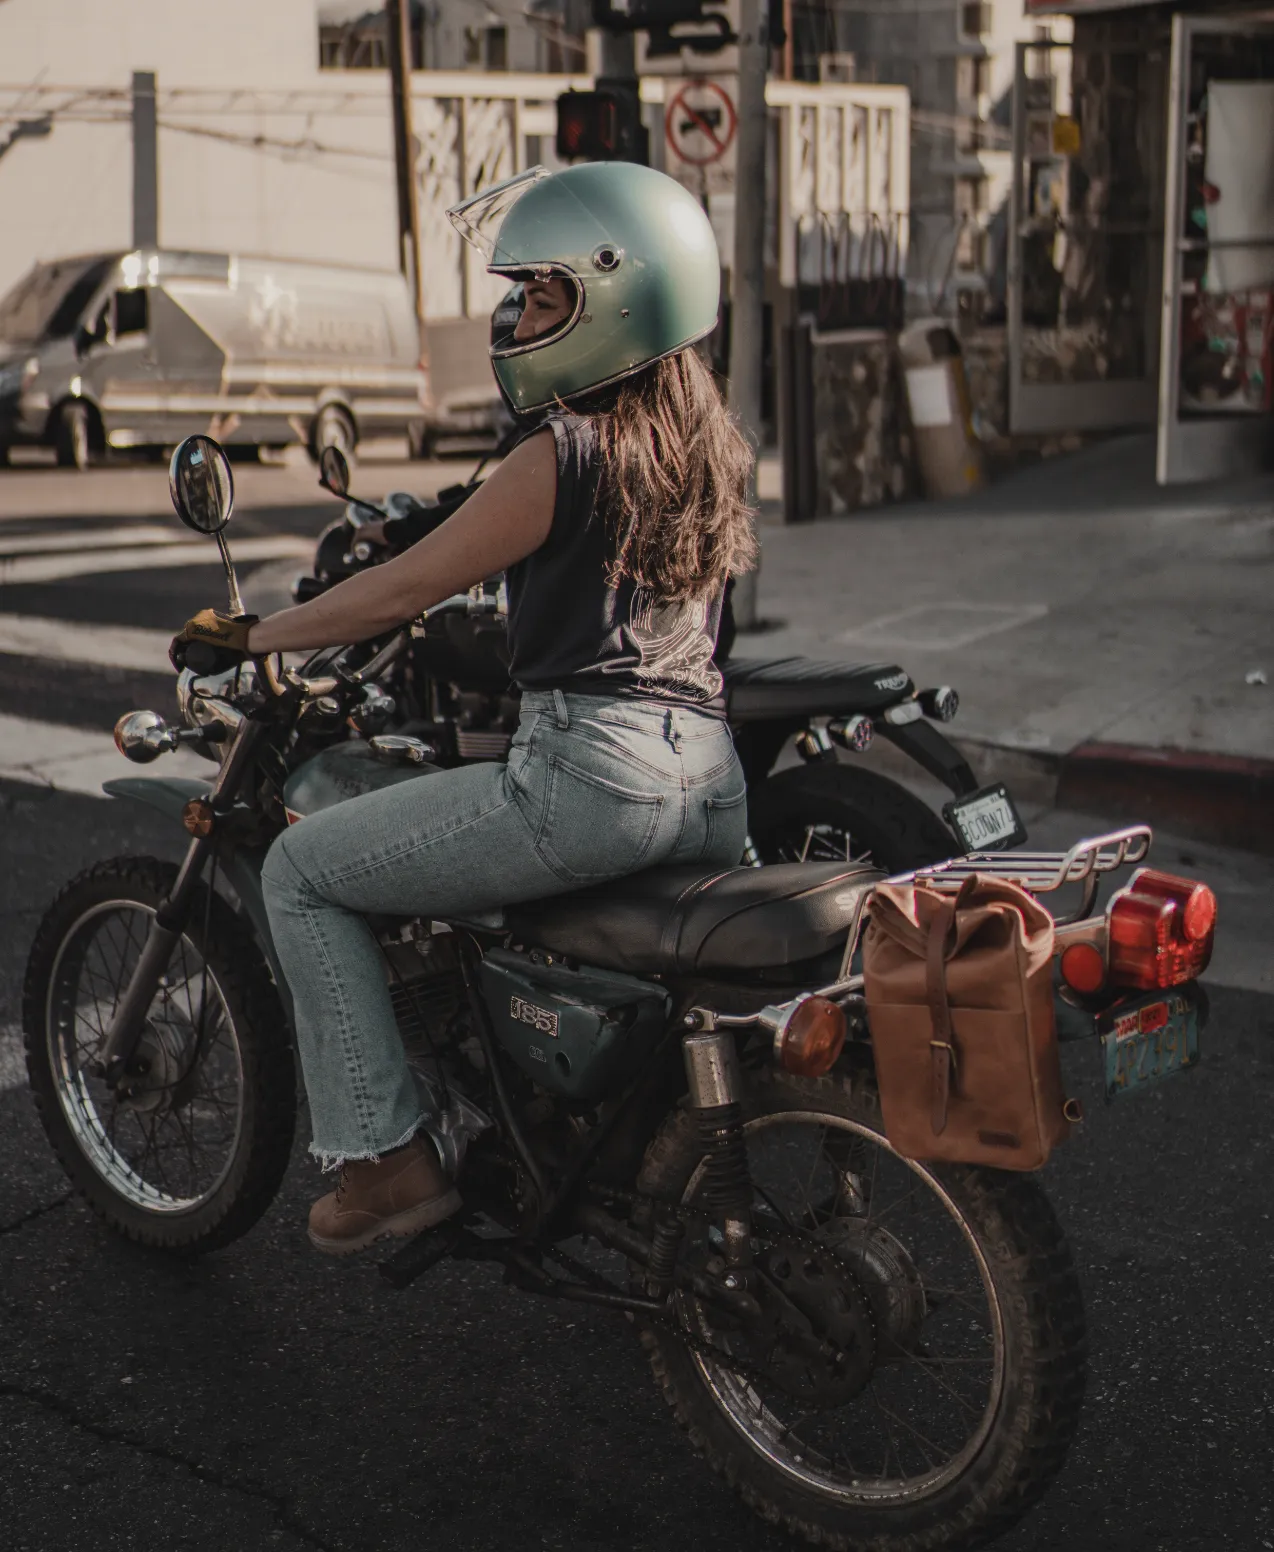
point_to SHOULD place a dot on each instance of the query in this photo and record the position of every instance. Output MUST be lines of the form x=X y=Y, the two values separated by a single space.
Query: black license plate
x=987 y=820
x=1145 y=1041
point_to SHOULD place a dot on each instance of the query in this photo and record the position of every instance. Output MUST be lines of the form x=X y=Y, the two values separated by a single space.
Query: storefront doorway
x=1216 y=383
x=1086 y=237
x=1141 y=233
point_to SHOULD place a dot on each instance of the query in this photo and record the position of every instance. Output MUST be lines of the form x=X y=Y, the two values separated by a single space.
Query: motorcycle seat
x=757 y=689
x=686 y=919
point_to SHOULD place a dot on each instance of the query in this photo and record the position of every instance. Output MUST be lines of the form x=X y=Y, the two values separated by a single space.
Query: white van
x=140 y=349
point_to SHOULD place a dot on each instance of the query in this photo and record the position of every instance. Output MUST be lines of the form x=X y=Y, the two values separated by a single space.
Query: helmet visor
x=479 y=218
x=545 y=305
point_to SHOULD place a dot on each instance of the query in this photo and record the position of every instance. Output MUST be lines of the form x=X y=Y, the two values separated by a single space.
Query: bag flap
x=989 y=913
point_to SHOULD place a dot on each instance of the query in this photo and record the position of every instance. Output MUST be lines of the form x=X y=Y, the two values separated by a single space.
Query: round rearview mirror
x=334 y=471
x=201 y=485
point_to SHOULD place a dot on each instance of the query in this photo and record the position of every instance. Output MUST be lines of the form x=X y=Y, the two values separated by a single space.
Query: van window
x=47 y=302
x=95 y=332
x=132 y=314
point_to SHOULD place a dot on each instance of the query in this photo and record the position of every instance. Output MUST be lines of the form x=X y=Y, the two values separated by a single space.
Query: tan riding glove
x=212 y=642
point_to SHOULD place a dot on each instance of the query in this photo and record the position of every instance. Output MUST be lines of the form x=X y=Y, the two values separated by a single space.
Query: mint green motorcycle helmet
x=640 y=257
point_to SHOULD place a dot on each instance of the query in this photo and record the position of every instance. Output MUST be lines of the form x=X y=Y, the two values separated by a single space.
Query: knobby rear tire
x=263 y=1145
x=895 y=830
x=1045 y=1350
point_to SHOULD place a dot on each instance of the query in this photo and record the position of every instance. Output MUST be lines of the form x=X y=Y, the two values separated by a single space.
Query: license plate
x=986 y=820
x=1148 y=1040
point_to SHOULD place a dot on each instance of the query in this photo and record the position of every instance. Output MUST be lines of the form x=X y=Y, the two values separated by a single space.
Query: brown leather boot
x=392 y=1197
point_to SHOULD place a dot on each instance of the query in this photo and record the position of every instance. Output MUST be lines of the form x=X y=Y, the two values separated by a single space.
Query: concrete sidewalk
x=1101 y=631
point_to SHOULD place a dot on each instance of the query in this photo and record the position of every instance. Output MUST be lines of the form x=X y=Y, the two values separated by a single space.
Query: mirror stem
x=236 y=603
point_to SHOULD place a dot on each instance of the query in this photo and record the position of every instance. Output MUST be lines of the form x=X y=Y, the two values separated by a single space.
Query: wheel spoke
x=152 y=1155
x=883 y=1414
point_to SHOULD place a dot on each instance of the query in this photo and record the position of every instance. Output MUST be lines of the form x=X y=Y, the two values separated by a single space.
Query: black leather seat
x=758 y=688
x=678 y=920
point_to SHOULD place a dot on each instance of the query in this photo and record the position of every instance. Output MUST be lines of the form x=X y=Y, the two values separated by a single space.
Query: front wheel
x=333 y=427
x=830 y=812
x=194 y=1155
x=71 y=437
x=943 y=1385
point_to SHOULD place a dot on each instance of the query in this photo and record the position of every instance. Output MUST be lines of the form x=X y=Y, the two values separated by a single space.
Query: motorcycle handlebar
x=289 y=680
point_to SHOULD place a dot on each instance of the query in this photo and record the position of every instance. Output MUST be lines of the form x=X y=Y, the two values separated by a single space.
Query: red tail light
x=1160 y=930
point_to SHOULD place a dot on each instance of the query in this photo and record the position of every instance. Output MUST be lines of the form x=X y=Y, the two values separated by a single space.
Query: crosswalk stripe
x=71 y=759
x=84 y=539
x=54 y=568
x=72 y=641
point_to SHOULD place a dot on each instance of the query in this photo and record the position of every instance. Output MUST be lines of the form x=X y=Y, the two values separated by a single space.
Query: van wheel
x=332 y=428
x=71 y=437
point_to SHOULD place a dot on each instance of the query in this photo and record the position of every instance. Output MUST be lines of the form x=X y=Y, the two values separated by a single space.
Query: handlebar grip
x=201 y=657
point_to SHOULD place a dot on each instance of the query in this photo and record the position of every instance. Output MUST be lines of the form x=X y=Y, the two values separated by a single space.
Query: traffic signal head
x=587 y=126
x=601 y=126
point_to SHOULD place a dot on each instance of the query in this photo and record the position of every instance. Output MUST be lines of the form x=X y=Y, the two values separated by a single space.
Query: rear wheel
x=333 y=427
x=830 y=812
x=71 y=436
x=193 y=1157
x=944 y=1386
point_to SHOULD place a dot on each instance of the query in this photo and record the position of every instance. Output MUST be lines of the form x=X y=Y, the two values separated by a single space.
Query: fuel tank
x=343 y=771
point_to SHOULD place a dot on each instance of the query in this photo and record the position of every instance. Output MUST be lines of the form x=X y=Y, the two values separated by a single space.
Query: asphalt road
x=268 y=1398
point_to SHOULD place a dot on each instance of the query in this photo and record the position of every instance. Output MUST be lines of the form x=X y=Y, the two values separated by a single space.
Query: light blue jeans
x=593 y=789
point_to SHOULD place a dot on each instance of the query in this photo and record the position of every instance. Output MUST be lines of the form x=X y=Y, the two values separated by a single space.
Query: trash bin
x=947 y=451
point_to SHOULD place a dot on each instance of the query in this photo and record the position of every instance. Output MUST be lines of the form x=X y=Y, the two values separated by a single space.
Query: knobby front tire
x=191 y=1161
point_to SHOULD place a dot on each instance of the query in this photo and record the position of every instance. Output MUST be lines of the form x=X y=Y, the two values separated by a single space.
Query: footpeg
x=422 y=1254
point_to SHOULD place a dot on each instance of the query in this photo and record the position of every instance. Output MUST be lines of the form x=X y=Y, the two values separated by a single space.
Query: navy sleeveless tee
x=572 y=628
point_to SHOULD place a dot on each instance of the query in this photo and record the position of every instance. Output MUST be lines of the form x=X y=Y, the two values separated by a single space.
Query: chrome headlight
x=205 y=698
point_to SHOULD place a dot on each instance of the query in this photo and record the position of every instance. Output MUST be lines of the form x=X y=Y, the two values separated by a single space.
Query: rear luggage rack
x=1039 y=872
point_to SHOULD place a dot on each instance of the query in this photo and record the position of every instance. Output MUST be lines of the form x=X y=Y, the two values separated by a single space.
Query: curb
x=1224 y=799
x=1227 y=800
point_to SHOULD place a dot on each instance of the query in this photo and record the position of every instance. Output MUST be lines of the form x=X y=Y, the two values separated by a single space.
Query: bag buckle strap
x=945 y=1069
x=942 y=1045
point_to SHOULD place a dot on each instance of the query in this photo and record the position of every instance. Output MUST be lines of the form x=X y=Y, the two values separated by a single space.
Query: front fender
x=240 y=866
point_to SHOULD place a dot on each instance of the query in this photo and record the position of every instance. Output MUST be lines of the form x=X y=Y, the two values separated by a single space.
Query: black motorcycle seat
x=685 y=919
x=760 y=688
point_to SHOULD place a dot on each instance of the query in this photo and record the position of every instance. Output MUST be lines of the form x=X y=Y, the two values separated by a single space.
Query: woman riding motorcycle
x=617 y=524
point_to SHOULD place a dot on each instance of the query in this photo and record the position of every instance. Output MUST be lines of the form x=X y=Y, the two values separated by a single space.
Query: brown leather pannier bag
x=960 y=1004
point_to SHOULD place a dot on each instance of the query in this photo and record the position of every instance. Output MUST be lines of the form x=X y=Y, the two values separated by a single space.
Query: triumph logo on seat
x=892 y=682
x=541 y=1019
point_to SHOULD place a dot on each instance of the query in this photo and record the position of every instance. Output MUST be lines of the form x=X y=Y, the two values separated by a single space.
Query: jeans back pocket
x=726 y=829
x=592 y=828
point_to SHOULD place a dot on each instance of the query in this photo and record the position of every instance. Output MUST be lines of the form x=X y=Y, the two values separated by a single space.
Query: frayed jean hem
x=329 y=1159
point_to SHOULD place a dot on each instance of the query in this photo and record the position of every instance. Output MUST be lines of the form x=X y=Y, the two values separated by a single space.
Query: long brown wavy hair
x=674 y=482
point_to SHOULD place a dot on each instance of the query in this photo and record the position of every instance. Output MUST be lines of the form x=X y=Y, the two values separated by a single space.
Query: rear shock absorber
x=716 y=1086
x=665 y=1242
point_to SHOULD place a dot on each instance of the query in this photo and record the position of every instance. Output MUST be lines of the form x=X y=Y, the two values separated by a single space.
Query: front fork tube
x=170 y=920
x=716 y=1092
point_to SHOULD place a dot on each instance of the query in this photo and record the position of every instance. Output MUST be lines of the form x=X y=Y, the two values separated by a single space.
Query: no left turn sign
x=700 y=123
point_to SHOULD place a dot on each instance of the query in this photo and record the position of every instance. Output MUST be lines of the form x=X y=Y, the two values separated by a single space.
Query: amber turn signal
x=198 y=817
x=810 y=1038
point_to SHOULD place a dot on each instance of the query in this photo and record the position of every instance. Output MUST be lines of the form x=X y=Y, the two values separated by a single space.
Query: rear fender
x=929 y=749
x=238 y=865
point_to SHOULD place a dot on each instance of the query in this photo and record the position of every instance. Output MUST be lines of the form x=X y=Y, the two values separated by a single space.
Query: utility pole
x=617 y=57
x=145 y=162
x=747 y=279
x=398 y=40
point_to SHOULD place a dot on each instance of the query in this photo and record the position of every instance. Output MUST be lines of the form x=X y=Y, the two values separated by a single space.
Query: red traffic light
x=587 y=126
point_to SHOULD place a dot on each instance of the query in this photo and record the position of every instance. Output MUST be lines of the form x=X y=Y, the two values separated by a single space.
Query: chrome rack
x=1040 y=872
